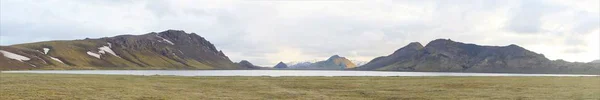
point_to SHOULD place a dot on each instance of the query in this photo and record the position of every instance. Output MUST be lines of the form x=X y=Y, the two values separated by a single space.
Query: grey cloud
x=160 y=8
x=575 y=41
x=574 y=51
x=527 y=16
x=587 y=22
x=34 y=32
x=256 y=30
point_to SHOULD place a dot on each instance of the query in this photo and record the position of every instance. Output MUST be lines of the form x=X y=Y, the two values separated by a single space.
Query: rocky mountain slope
x=444 y=55
x=171 y=49
x=334 y=62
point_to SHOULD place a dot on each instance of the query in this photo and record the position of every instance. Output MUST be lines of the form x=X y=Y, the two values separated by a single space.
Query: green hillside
x=169 y=49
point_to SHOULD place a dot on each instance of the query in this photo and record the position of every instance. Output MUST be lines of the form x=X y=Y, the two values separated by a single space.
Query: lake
x=275 y=73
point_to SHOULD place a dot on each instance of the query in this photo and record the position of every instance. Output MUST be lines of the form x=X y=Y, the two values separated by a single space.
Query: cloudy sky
x=266 y=32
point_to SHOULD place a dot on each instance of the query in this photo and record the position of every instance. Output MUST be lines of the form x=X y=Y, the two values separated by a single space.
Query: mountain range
x=171 y=49
x=334 y=62
x=176 y=49
x=445 y=55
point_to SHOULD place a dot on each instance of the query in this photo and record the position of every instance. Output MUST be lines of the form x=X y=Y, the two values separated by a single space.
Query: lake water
x=275 y=73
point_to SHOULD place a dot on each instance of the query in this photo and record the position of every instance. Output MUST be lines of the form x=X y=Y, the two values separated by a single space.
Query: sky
x=266 y=32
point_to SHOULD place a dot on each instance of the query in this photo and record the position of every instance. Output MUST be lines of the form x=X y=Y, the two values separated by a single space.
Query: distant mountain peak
x=173 y=30
x=440 y=42
x=280 y=65
x=336 y=60
x=247 y=64
x=408 y=49
x=334 y=57
x=415 y=45
x=514 y=46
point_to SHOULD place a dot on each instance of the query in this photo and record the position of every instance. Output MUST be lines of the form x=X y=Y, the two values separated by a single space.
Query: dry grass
x=57 y=86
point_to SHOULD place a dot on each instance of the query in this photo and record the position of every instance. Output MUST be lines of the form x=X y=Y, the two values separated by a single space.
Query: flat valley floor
x=63 y=86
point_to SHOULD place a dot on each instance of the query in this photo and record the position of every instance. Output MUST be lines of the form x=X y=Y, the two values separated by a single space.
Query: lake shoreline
x=329 y=73
x=284 y=70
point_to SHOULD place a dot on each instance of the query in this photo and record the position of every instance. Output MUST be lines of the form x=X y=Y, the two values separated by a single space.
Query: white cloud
x=266 y=32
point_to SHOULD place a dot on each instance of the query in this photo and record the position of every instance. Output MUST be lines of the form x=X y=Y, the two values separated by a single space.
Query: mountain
x=281 y=65
x=171 y=49
x=334 y=62
x=595 y=61
x=248 y=65
x=299 y=64
x=444 y=55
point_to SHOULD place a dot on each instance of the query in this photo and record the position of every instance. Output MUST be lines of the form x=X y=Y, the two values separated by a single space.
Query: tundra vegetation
x=64 y=86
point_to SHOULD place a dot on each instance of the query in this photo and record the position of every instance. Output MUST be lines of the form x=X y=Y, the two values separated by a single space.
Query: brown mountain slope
x=341 y=61
x=171 y=49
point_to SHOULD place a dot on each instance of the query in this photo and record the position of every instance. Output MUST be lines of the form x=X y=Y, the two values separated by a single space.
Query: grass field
x=61 y=86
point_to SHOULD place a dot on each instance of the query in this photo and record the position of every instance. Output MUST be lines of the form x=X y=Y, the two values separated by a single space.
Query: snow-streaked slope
x=93 y=54
x=106 y=49
x=165 y=40
x=299 y=64
x=56 y=59
x=14 y=56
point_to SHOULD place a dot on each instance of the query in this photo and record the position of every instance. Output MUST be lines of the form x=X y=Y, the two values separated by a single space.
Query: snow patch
x=14 y=56
x=106 y=49
x=33 y=65
x=109 y=45
x=180 y=52
x=46 y=50
x=168 y=41
x=56 y=59
x=93 y=54
x=163 y=39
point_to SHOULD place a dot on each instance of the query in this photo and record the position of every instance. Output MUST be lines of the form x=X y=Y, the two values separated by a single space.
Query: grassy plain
x=63 y=86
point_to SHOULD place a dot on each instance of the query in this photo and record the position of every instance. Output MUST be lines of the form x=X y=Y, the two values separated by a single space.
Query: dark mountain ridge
x=444 y=55
x=280 y=65
x=171 y=49
x=248 y=65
